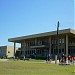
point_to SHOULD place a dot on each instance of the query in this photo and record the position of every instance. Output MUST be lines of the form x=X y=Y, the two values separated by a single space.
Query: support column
x=24 y=48
x=14 y=48
x=35 y=43
x=21 y=49
x=49 y=45
x=66 y=45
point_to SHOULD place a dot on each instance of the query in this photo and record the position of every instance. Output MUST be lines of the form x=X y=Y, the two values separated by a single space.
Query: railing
x=40 y=43
x=71 y=44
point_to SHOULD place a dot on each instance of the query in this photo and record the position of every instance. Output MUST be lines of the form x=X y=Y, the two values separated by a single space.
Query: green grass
x=30 y=60
x=26 y=68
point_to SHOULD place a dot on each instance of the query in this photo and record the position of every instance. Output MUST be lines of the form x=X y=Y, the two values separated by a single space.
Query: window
x=27 y=44
x=53 y=41
x=62 y=50
x=51 y=51
x=69 y=51
x=26 y=52
x=30 y=51
x=74 y=50
x=62 y=40
x=59 y=50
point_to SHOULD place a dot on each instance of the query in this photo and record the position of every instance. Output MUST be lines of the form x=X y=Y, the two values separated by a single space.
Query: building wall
x=10 y=51
x=47 y=42
x=3 y=51
x=7 y=51
x=27 y=44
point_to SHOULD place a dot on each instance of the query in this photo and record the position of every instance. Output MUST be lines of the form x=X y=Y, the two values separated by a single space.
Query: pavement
x=4 y=59
x=33 y=62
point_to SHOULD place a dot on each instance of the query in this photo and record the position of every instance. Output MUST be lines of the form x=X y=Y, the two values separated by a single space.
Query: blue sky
x=25 y=17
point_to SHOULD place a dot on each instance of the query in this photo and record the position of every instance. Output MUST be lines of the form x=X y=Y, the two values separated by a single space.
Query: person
x=17 y=58
x=14 y=57
x=48 y=58
x=59 y=57
x=69 y=59
x=62 y=57
x=24 y=57
x=65 y=59
x=73 y=60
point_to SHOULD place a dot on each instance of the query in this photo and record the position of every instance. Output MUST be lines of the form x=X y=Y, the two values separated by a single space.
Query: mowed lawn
x=31 y=68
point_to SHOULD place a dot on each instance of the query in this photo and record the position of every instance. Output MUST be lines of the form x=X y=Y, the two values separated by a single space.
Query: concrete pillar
x=55 y=59
x=66 y=45
x=49 y=45
x=14 y=48
x=21 y=48
x=35 y=44
x=24 y=48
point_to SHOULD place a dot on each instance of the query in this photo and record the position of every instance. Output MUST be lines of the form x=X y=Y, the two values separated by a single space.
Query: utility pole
x=57 y=43
x=58 y=36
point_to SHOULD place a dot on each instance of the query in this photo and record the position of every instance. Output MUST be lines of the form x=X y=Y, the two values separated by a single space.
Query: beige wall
x=7 y=51
x=10 y=51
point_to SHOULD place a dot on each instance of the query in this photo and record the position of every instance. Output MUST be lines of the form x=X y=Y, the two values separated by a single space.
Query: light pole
x=57 y=43
x=58 y=36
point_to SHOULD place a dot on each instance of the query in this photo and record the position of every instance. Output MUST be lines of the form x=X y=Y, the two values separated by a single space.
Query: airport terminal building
x=45 y=43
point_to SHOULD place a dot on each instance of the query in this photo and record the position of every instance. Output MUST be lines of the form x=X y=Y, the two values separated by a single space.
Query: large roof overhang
x=65 y=31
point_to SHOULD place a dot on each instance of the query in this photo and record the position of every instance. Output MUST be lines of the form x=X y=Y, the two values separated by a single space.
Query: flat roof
x=64 y=31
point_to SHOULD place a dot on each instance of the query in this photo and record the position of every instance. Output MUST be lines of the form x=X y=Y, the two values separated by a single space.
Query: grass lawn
x=26 y=68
